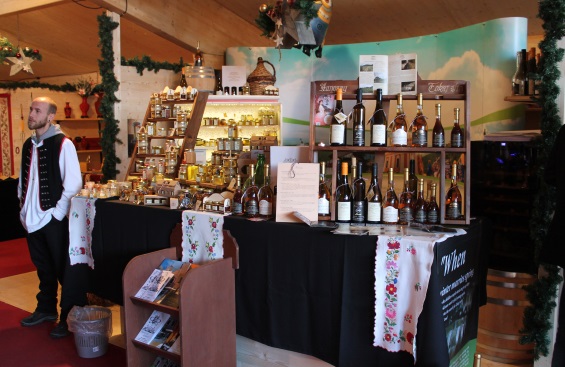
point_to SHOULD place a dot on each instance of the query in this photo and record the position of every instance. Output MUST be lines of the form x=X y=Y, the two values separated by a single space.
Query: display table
x=305 y=289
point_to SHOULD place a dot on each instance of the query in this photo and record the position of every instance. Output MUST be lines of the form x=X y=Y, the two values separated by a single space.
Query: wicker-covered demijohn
x=261 y=78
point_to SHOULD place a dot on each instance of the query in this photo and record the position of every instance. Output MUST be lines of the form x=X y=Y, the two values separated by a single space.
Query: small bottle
x=88 y=164
x=266 y=197
x=432 y=215
x=453 y=199
x=323 y=195
x=420 y=206
x=343 y=196
x=359 y=207
x=198 y=56
x=183 y=82
x=438 y=134
x=359 y=121
x=457 y=139
x=237 y=206
x=390 y=202
x=251 y=196
x=374 y=198
x=519 y=78
x=378 y=122
x=412 y=178
x=338 y=127
x=399 y=130
x=405 y=210
x=420 y=125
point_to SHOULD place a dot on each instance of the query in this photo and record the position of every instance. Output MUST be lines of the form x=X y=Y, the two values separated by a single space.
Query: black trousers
x=49 y=251
x=558 y=359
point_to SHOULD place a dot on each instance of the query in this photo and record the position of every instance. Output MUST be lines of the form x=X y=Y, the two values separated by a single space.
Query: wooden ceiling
x=66 y=31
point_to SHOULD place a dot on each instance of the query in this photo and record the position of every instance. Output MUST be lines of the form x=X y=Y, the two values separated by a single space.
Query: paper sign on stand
x=297 y=190
x=282 y=154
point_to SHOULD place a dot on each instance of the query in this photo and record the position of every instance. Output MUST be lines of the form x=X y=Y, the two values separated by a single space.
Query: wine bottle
x=398 y=125
x=359 y=211
x=432 y=215
x=390 y=202
x=518 y=80
x=266 y=197
x=323 y=195
x=259 y=173
x=198 y=56
x=420 y=125
x=359 y=121
x=374 y=198
x=405 y=210
x=250 y=196
x=378 y=122
x=457 y=139
x=531 y=71
x=183 y=82
x=338 y=127
x=343 y=196
x=420 y=206
x=438 y=133
x=237 y=205
x=453 y=199
x=412 y=178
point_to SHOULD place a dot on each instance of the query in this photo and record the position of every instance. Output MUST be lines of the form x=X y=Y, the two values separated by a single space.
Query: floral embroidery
x=411 y=249
x=86 y=248
x=194 y=229
x=417 y=287
x=214 y=230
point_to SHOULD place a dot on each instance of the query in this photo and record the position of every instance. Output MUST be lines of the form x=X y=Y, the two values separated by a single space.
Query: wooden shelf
x=349 y=148
x=80 y=120
x=205 y=185
x=89 y=151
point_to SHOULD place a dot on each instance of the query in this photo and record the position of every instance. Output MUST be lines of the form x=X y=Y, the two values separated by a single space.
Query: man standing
x=50 y=176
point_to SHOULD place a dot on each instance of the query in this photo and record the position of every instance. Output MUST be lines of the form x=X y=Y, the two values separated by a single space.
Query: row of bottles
x=526 y=81
x=398 y=128
x=358 y=206
x=252 y=199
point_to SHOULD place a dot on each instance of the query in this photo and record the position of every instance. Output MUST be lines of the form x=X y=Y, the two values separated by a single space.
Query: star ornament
x=21 y=63
x=278 y=41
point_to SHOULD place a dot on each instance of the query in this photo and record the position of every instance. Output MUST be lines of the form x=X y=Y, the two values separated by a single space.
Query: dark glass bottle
x=251 y=196
x=359 y=121
x=378 y=122
x=405 y=203
x=338 y=127
x=412 y=178
x=420 y=206
x=183 y=82
x=237 y=206
x=453 y=198
x=359 y=207
x=343 y=196
x=457 y=138
x=438 y=134
x=374 y=198
x=432 y=215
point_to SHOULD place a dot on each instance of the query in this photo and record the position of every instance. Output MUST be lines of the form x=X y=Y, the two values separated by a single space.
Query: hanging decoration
x=147 y=63
x=67 y=87
x=21 y=58
x=538 y=316
x=296 y=23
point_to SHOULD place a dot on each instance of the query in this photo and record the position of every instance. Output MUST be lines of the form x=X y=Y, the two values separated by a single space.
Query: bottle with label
x=251 y=196
x=457 y=139
x=237 y=205
x=412 y=178
x=183 y=82
x=453 y=199
x=323 y=195
x=390 y=202
x=420 y=206
x=432 y=215
x=398 y=127
x=438 y=134
x=405 y=209
x=420 y=125
x=266 y=197
x=338 y=127
x=359 y=121
x=359 y=211
x=374 y=198
x=378 y=122
x=259 y=172
x=343 y=196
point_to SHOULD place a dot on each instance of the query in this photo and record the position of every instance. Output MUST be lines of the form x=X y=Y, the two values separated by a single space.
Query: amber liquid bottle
x=390 y=202
x=183 y=82
x=412 y=178
x=438 y=134
x=266 y=197
x=251 y=196
x=378 y=122
x=359 y=207
x=359 y=121
x=457 y=138
x=453 y=199
x=237 y=206
x=323 y=195
x=420 y=206
x=420 y=125
x=405 y=209
x=338 y=127
x=399 y=129
x=432 y=216
x=343 y=196
x=374 y=198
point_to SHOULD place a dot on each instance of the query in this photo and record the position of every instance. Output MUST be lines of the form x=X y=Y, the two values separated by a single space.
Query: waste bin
x=92 y=327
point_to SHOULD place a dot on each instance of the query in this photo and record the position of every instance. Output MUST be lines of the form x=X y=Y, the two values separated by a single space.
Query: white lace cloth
x=81 y=224
x=202 y=236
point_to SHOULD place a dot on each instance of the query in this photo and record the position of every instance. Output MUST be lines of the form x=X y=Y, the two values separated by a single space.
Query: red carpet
x=14 y=258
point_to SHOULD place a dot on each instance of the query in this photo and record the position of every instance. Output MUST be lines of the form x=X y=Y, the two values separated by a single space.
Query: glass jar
x=150 y=128
x=142 y=143
x=156 y=149
x=182 y=172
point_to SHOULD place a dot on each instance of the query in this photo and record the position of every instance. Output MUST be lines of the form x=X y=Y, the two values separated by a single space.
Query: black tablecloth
x=297 y=288
x=10 y=225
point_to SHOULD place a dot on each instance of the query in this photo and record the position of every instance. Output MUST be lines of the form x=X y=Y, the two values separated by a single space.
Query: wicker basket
x=261 y=78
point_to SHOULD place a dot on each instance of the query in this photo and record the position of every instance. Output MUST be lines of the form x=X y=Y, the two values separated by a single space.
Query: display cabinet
x=450 y=92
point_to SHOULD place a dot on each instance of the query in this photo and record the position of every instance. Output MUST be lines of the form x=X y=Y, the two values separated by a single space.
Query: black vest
x=49 y=172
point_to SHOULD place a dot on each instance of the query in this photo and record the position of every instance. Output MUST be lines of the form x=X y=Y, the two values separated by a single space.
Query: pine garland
x=147 y=63
x=110 y=87
x=67 y=87
x=541 y=294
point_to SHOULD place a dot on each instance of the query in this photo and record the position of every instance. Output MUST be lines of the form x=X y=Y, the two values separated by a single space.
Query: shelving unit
x=451 y=90
x=206 y=312
x=84 y=127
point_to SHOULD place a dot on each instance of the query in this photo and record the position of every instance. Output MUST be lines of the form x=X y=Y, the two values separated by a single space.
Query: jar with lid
x=182 y=172
x=150 y=128
x=161 y=166
x=157 y=149
x=142 y=143
x=139 y=164
x=166 y=112
x=220 y=143
x=161 y=131
x=158 y=109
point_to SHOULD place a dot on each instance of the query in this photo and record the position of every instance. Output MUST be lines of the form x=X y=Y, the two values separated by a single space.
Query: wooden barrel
x=201 y=77
x=500 y=320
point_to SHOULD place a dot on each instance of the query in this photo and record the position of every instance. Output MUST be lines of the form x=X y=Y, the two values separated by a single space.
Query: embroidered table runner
x=402 y=272
x=81 y=223
x=202 y=236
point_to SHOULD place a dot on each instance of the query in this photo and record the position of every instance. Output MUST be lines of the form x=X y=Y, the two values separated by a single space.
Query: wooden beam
x=18 y=6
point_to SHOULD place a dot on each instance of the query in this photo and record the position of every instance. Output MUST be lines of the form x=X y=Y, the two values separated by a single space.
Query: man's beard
x=34 y=125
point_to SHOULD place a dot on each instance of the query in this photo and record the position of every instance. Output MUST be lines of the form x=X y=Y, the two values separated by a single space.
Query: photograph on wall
x=391 y=73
